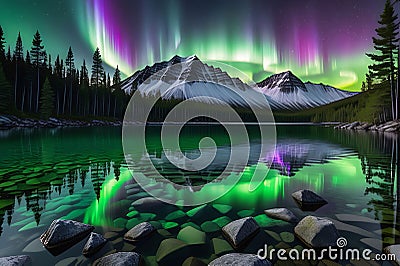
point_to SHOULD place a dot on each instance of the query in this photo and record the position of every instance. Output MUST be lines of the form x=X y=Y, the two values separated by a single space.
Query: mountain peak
x=286 y=81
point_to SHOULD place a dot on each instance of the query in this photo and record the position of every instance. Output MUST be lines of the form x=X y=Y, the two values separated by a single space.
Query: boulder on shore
x=19 y=260
x=282 y=214
x=239 y=259
x=308 y=200
x=94 y=244
x=63 y=234
x=317 y=232
x=139 y=231
x=119 y=259
x=238 y=232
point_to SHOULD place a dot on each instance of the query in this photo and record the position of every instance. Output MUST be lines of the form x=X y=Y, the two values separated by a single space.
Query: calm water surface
x=81 y=174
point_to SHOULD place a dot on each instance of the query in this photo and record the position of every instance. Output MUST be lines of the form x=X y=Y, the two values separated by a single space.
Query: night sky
x=320 y=41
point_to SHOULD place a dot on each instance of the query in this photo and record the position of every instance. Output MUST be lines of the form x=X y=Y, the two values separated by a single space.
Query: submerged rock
x=94 y=244
x=119 y=259
x=139 y=231
x=238 y=232
x=63 y=234
x=239 y=259
x=20 y=260
x=282 y=214
x=317 y=232
x=395 y=250
x=308 y=200
x=192 y=236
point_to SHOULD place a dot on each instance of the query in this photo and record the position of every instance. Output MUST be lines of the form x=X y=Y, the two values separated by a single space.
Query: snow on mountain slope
x=188 y=78
x=290 y=93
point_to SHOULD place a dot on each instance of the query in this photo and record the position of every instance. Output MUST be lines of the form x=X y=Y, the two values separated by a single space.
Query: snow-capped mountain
x=188 y=77
x=289 y=92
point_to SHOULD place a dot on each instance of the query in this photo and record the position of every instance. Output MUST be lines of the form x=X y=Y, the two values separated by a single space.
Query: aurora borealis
x=320 y=41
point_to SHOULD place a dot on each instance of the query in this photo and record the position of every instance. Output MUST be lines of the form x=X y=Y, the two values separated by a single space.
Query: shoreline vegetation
x=11 y=121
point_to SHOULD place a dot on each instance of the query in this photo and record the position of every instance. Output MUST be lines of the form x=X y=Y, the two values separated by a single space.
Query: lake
x=81 y=174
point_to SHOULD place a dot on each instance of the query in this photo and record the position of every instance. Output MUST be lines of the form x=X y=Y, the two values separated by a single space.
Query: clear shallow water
x=80 y=174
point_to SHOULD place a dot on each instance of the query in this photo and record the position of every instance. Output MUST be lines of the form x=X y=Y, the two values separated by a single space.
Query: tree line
x=32 y=84
x=385 y=69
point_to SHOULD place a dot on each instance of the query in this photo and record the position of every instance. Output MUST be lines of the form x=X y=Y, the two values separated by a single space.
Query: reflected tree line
x=380 y=162
x=40 y=164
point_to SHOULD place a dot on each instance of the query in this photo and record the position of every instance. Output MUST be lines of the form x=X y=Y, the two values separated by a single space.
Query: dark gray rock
x=238 y=232
x=20 y=260
x=239 y=259
x=119 y=259
x=64 y=234
x=394 y=250
x=93 y=244
x=282 y=214
x=139 y=231
x=317 y=232
x=308 y=200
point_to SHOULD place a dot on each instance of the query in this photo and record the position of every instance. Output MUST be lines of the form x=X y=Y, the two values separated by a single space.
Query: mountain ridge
x=283 y=91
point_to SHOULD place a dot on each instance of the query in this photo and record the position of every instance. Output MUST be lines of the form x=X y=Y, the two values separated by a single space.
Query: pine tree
x=5 y=93
x=37 y=54
x=384 y=68
x=70 y=65
x=28 y=58
x=2 y=46
x=96 y=79
x=47 y=100
x=18 y=58
x=8 y=55
x=97 y=69
x=117 y=76
x=19 y=50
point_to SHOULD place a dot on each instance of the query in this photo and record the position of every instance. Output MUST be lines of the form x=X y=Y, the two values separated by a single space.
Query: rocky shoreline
x=313 y=231
x=390 y=126
x=10 y=121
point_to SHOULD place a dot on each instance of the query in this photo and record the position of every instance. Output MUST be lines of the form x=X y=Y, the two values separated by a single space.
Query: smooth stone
x=282 y=214
x=93 y=244
x=238 y=232
x=120 y=222
x=20 y=260
x=148 y=203
x=273 y=235
x=203 y=213
x=192 y=236
x=119 y=259
x=222 y=208
x=169 y=248
x=221 y=246
x=64 y=232
x=308 y=200
x=192 y=261
x=209 y=227
x=176 y=215
x=132 y=214
x=395 y=250
x=190 y=224
x=317 y=232
x=264 y=221
x=139 y=231
x=67 y=261
x=245 y=213
x=355 y=218
x=287 y=237
x=169 y=225
x=239 y=259
x=222 y=221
